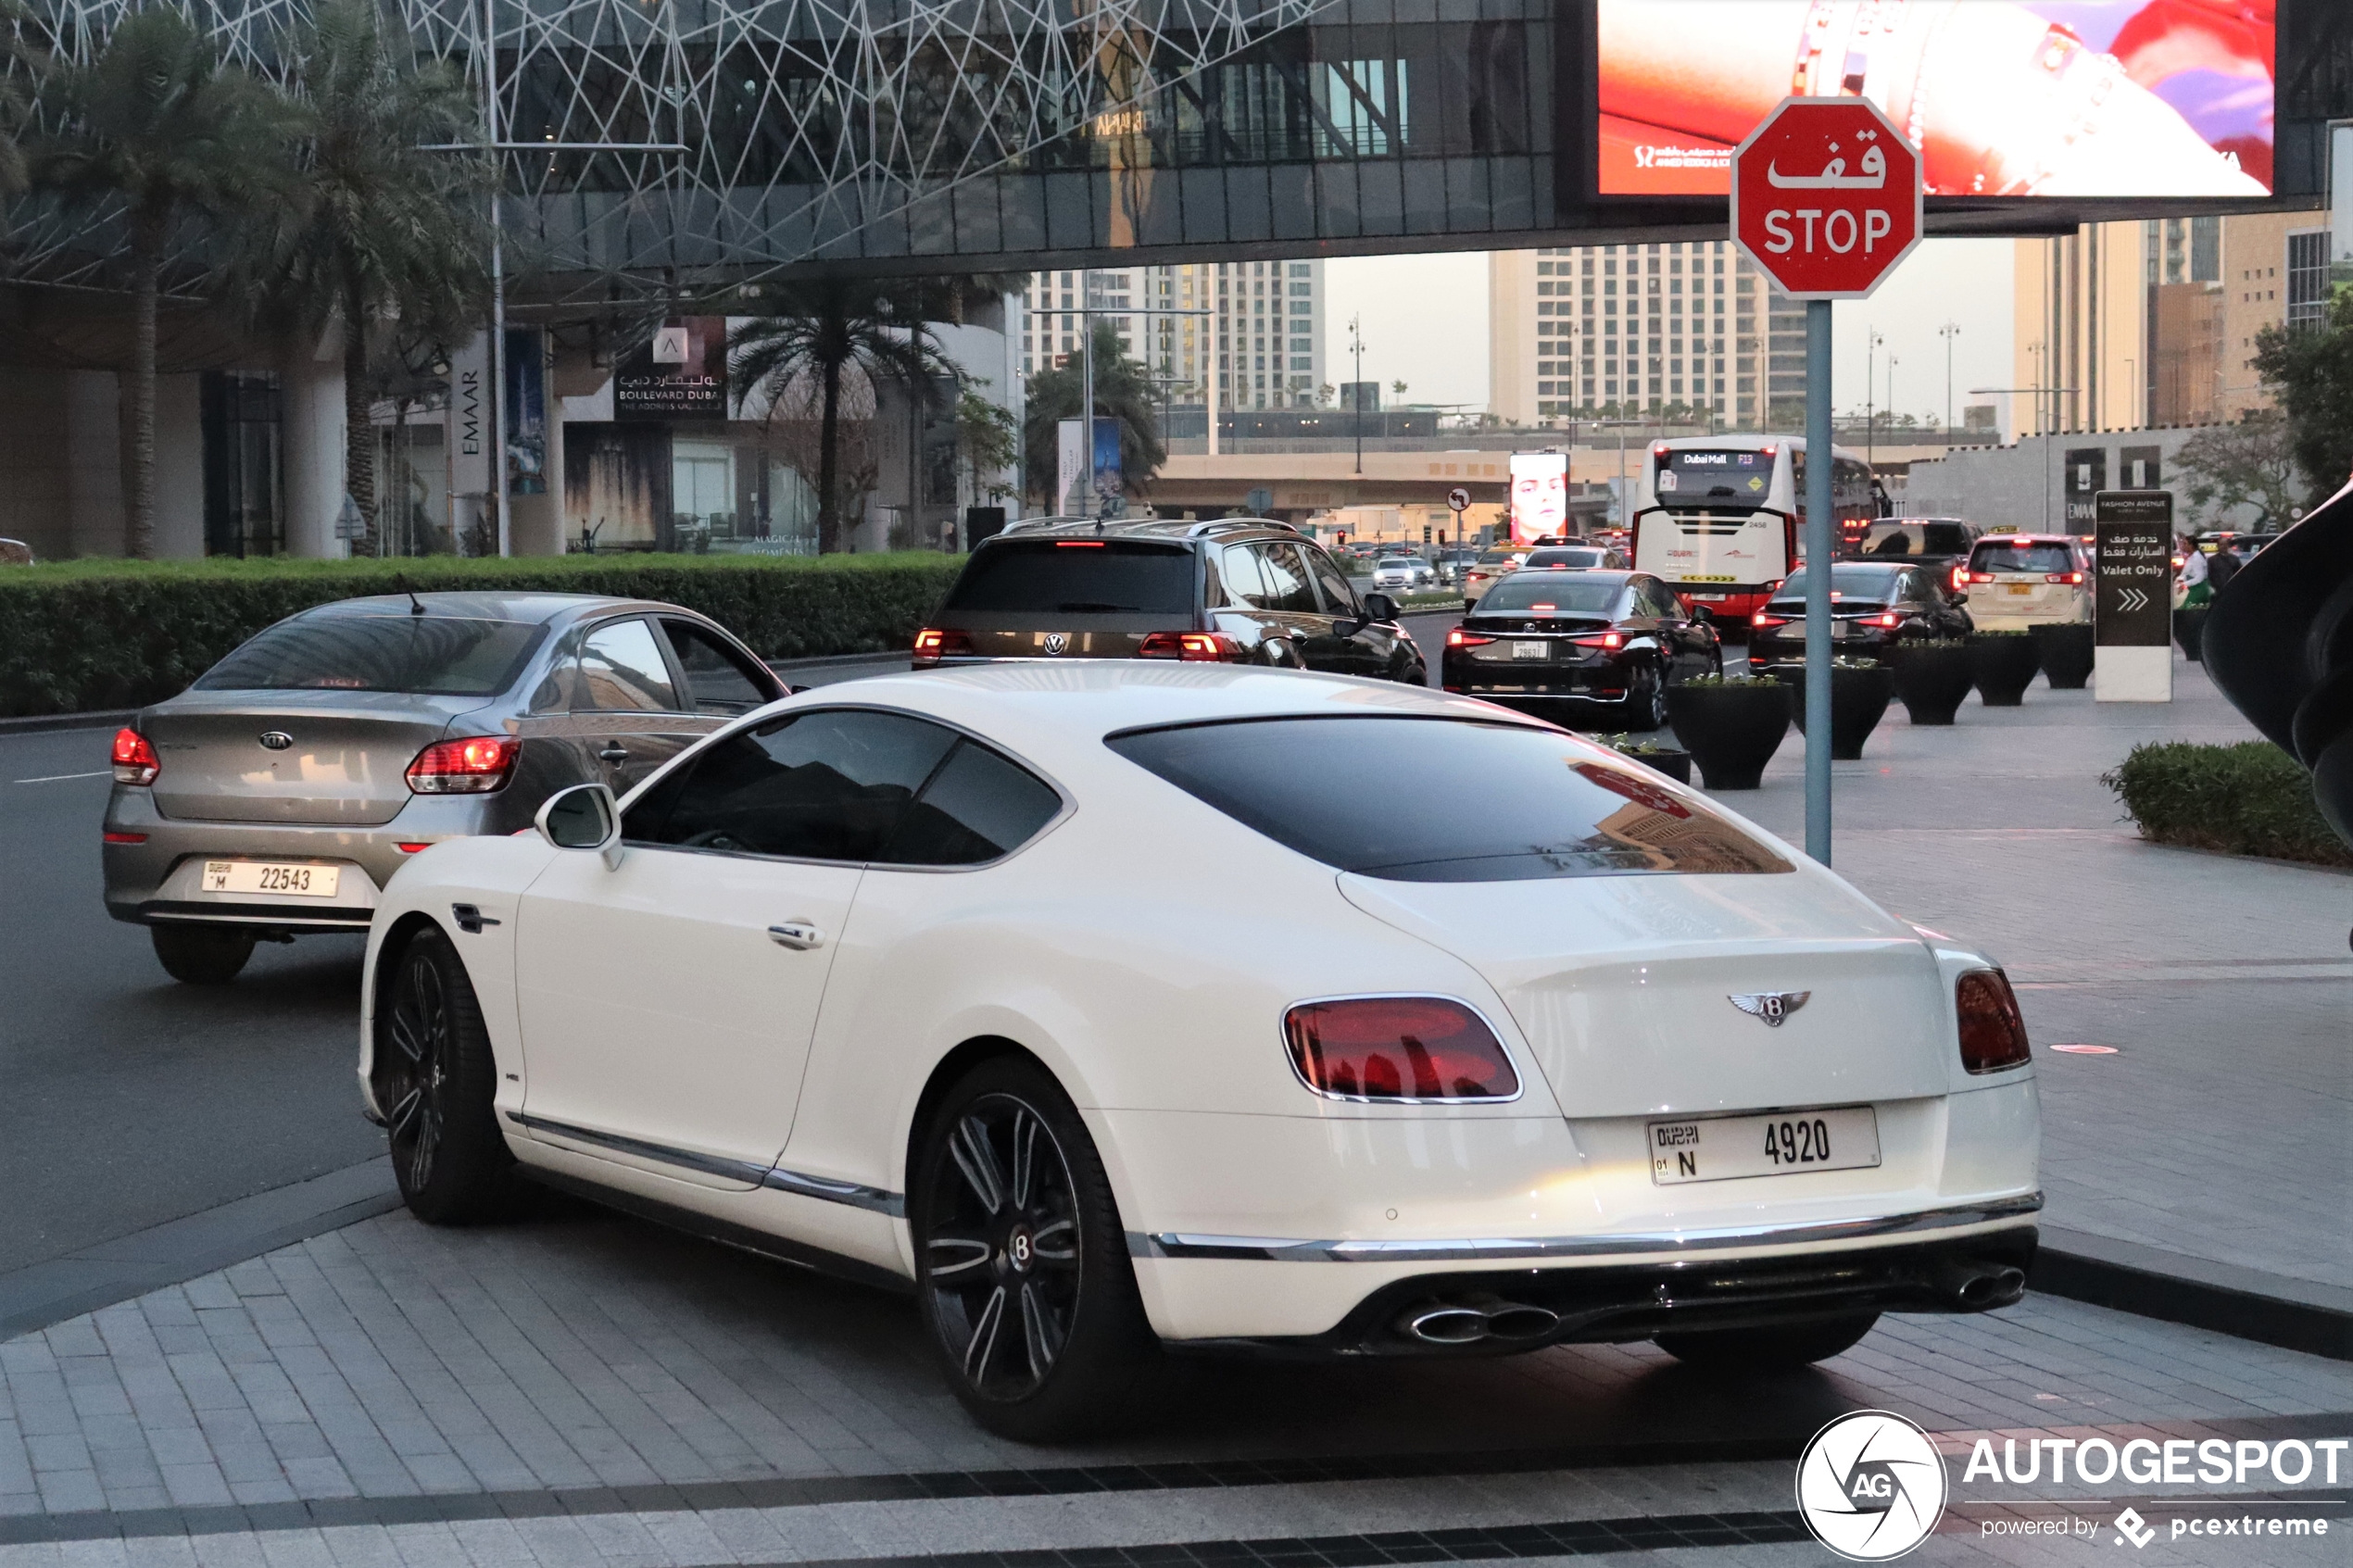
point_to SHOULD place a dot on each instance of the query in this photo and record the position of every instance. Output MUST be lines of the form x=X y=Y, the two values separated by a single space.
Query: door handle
x=614 y=753
x=798 y=935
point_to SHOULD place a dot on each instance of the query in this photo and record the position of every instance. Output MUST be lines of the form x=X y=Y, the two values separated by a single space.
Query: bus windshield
x=1711 y=477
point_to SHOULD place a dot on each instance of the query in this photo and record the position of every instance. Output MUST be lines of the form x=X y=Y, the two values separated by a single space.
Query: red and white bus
x=1722 y=518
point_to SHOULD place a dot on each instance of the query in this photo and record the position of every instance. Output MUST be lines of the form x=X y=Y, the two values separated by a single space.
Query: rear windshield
x=1574 y=559
x=431 y=655
x=1918 y=539
x=1535 y=803
x=2019 y=555
x=1857 y=582
x=1076 y=577
x=1497 y=558
x=1695 y=478
x=1553 y=596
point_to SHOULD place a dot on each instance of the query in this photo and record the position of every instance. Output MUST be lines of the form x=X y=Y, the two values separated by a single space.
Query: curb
x=2149 y=1281
x=98 y=720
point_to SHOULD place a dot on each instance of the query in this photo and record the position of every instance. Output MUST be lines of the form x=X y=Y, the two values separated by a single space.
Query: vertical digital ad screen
x=2077 y=98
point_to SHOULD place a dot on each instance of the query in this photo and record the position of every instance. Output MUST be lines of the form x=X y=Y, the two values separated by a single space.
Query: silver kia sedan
x=279 y=794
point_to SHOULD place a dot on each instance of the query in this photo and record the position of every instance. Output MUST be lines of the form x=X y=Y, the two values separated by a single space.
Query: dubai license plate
x=2019 y=588
x=1841 y=630
x=1532 y=650
x=1723 y=1148
x=276 y=879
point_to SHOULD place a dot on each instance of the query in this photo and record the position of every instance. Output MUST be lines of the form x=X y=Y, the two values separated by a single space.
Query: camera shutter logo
x=1871 y=1486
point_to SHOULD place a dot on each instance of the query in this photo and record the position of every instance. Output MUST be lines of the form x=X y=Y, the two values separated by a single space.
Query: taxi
x=1491 y=567
x=2015 y=580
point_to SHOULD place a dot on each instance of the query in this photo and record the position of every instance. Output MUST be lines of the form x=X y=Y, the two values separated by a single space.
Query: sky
x=1425 y=323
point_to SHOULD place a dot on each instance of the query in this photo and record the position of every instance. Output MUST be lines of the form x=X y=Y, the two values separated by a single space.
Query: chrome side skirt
x=1174 y=1244
x=825 y=1188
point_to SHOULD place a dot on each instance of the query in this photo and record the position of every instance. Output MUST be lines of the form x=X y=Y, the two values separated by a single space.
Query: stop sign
x=1826 y=196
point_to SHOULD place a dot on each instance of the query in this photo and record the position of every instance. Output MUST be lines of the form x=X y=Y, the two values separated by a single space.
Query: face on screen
x=2004 y=97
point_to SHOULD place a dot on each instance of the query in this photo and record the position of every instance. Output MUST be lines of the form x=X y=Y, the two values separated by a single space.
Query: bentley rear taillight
x=134 y=759
x=475 y=765
x=1993 y=1034
x=1406 y=1049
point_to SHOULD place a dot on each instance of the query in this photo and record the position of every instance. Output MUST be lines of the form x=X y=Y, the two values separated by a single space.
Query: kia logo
x=276 y=740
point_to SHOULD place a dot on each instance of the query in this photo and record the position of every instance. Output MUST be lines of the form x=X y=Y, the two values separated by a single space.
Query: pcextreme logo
x=1871 y=1486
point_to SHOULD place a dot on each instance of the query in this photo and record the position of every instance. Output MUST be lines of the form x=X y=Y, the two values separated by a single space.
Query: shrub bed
x=2251 y=798
x=77 y=635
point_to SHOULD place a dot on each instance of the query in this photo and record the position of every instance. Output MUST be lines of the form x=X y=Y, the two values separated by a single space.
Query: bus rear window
x=1702 y=477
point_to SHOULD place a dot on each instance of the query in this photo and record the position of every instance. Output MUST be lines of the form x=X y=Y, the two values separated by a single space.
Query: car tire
x=202 y=955
x=433 y=1079
x=1767 y=1349
x=1021 y=1262
x=1646 y=704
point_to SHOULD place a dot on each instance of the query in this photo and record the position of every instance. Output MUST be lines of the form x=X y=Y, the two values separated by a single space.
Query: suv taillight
x=475 y=765
x=1993 y=1034
x=932 y=643
x=1201 y=647
x=1398 y=1049
x=134 y=759
x=2062 y=577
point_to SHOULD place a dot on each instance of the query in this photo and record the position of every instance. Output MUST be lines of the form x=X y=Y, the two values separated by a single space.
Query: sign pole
x=1821 y=531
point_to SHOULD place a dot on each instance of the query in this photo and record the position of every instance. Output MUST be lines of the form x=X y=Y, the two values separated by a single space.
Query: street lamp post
x=1356 y=401
x=1948 y=332
x=1871 y=340
x=2046 y=435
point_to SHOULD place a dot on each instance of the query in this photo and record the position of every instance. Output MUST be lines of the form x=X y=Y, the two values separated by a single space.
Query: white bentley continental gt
x=1123 y=1005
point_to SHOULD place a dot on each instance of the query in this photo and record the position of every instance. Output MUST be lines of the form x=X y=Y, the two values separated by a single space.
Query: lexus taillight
x=1398 y=1049
x=1993 y=1034
x=1458 y=638
x=1203 y=647
x=1761 y=619
x=1889 y=619
x=933 y=643
x=475 y=765
x=1611 y=640
x=134 y=759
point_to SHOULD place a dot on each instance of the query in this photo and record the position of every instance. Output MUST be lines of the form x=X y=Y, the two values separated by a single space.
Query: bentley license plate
x=276 y=879
x=1723 y=1148
x=1532 y=650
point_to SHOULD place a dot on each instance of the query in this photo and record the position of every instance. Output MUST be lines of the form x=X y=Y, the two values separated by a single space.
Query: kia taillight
x=1761 y=619
x=1993 y=1034
x=134 y=759
x=1398 y=1049
x=475 y=765
x=933 y=643
x=1206 y=647
x=1458 y=638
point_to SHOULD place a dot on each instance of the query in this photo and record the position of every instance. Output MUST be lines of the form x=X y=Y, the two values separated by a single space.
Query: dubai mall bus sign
x=1826 y=198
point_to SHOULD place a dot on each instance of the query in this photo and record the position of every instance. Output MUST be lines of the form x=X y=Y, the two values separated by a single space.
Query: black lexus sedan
x=1872 y=608
x=1563 y=644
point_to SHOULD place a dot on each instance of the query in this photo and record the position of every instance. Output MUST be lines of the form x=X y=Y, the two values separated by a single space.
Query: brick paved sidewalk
x=2218 y=1128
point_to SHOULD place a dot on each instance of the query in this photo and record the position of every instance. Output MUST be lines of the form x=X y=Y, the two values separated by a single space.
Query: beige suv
x=2015 y=580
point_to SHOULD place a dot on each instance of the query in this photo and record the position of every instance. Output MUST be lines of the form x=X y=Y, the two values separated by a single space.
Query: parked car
x=1940 y=544
x=1402 y=573
x=1234 y=591
x=1491 y=567
x=1575 y=558
x=278 y=794
x=15 y=552
x=2021 y=580
x=1128 y=1036
x=1561 y=643
x=1873 y=607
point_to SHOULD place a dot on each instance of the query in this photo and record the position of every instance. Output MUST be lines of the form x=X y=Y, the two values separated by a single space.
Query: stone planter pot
x=1731 y=731
x=2189 y=630
x=2065 y=650
x=1676 y=765
x=1933 y=681
x=1858 y=700
x=2003 y=664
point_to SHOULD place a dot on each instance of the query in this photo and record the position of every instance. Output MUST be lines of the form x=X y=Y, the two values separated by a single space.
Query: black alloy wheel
x=1646 y=700
x=1022 y=1270
x=433 y=1079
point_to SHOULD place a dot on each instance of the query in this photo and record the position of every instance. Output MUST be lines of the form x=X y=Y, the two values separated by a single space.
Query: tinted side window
x=1287 y=588
x=1339 y=597
x=1945 y=539
x=1239 y=565
x=621 y=668
x=716 y=679
x=978 y=807
x=829 y=786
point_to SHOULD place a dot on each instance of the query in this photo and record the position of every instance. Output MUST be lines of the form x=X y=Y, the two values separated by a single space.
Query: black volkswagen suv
x=1236 y=590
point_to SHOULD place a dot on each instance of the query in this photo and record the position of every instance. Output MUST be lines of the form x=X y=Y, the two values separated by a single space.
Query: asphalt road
x=126 y=1099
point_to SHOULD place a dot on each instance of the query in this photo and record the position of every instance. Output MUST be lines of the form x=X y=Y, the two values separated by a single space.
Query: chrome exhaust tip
x=1514 y=1321
x=1992 y=1287
x=1467 y=1323
x=1446 y=1325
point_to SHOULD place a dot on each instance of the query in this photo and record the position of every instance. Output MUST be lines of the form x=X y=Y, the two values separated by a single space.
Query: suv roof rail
x=1198 y=529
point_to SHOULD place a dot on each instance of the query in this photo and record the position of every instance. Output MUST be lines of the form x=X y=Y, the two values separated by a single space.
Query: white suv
x=2015 y=580
x=1403 y=571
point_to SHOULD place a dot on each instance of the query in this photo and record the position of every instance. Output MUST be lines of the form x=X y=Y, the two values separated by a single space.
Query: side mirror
x=1380 y=607
x=1701 y=614
x=583 y=817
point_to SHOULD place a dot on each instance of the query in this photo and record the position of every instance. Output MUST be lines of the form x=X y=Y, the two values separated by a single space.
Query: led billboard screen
x=2004 y=97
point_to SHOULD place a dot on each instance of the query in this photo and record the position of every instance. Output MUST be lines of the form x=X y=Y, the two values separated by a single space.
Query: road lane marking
x=58 y=778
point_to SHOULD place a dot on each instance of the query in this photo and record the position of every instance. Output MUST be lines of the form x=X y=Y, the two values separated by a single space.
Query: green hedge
x=78 y=635
x=2251 y=798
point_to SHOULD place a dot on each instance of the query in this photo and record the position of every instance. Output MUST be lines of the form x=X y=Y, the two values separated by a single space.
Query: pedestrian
x=2221 y=567
x=2195 y=592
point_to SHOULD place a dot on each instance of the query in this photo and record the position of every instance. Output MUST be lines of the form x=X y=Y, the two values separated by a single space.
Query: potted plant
x=2003 y=664
x=2189 y=630
x=1933 y=677
x=1730 y=724
x=1651 y=753
x=1859 y=692
x=2065 y=649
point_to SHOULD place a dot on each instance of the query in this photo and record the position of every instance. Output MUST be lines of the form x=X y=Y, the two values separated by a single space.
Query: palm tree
x=156 y=130
x=823 y=328
x=1122 y=392
x=380 y=234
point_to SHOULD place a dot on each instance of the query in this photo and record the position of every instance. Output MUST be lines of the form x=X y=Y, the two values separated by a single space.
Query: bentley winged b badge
x=1770 y=1006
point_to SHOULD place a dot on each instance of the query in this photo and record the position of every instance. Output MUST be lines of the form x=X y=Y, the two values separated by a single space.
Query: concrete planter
x=2003 y=663
x=1730 y=731
x=1858 y=700
x=2065 y=649
x=1933 y=680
